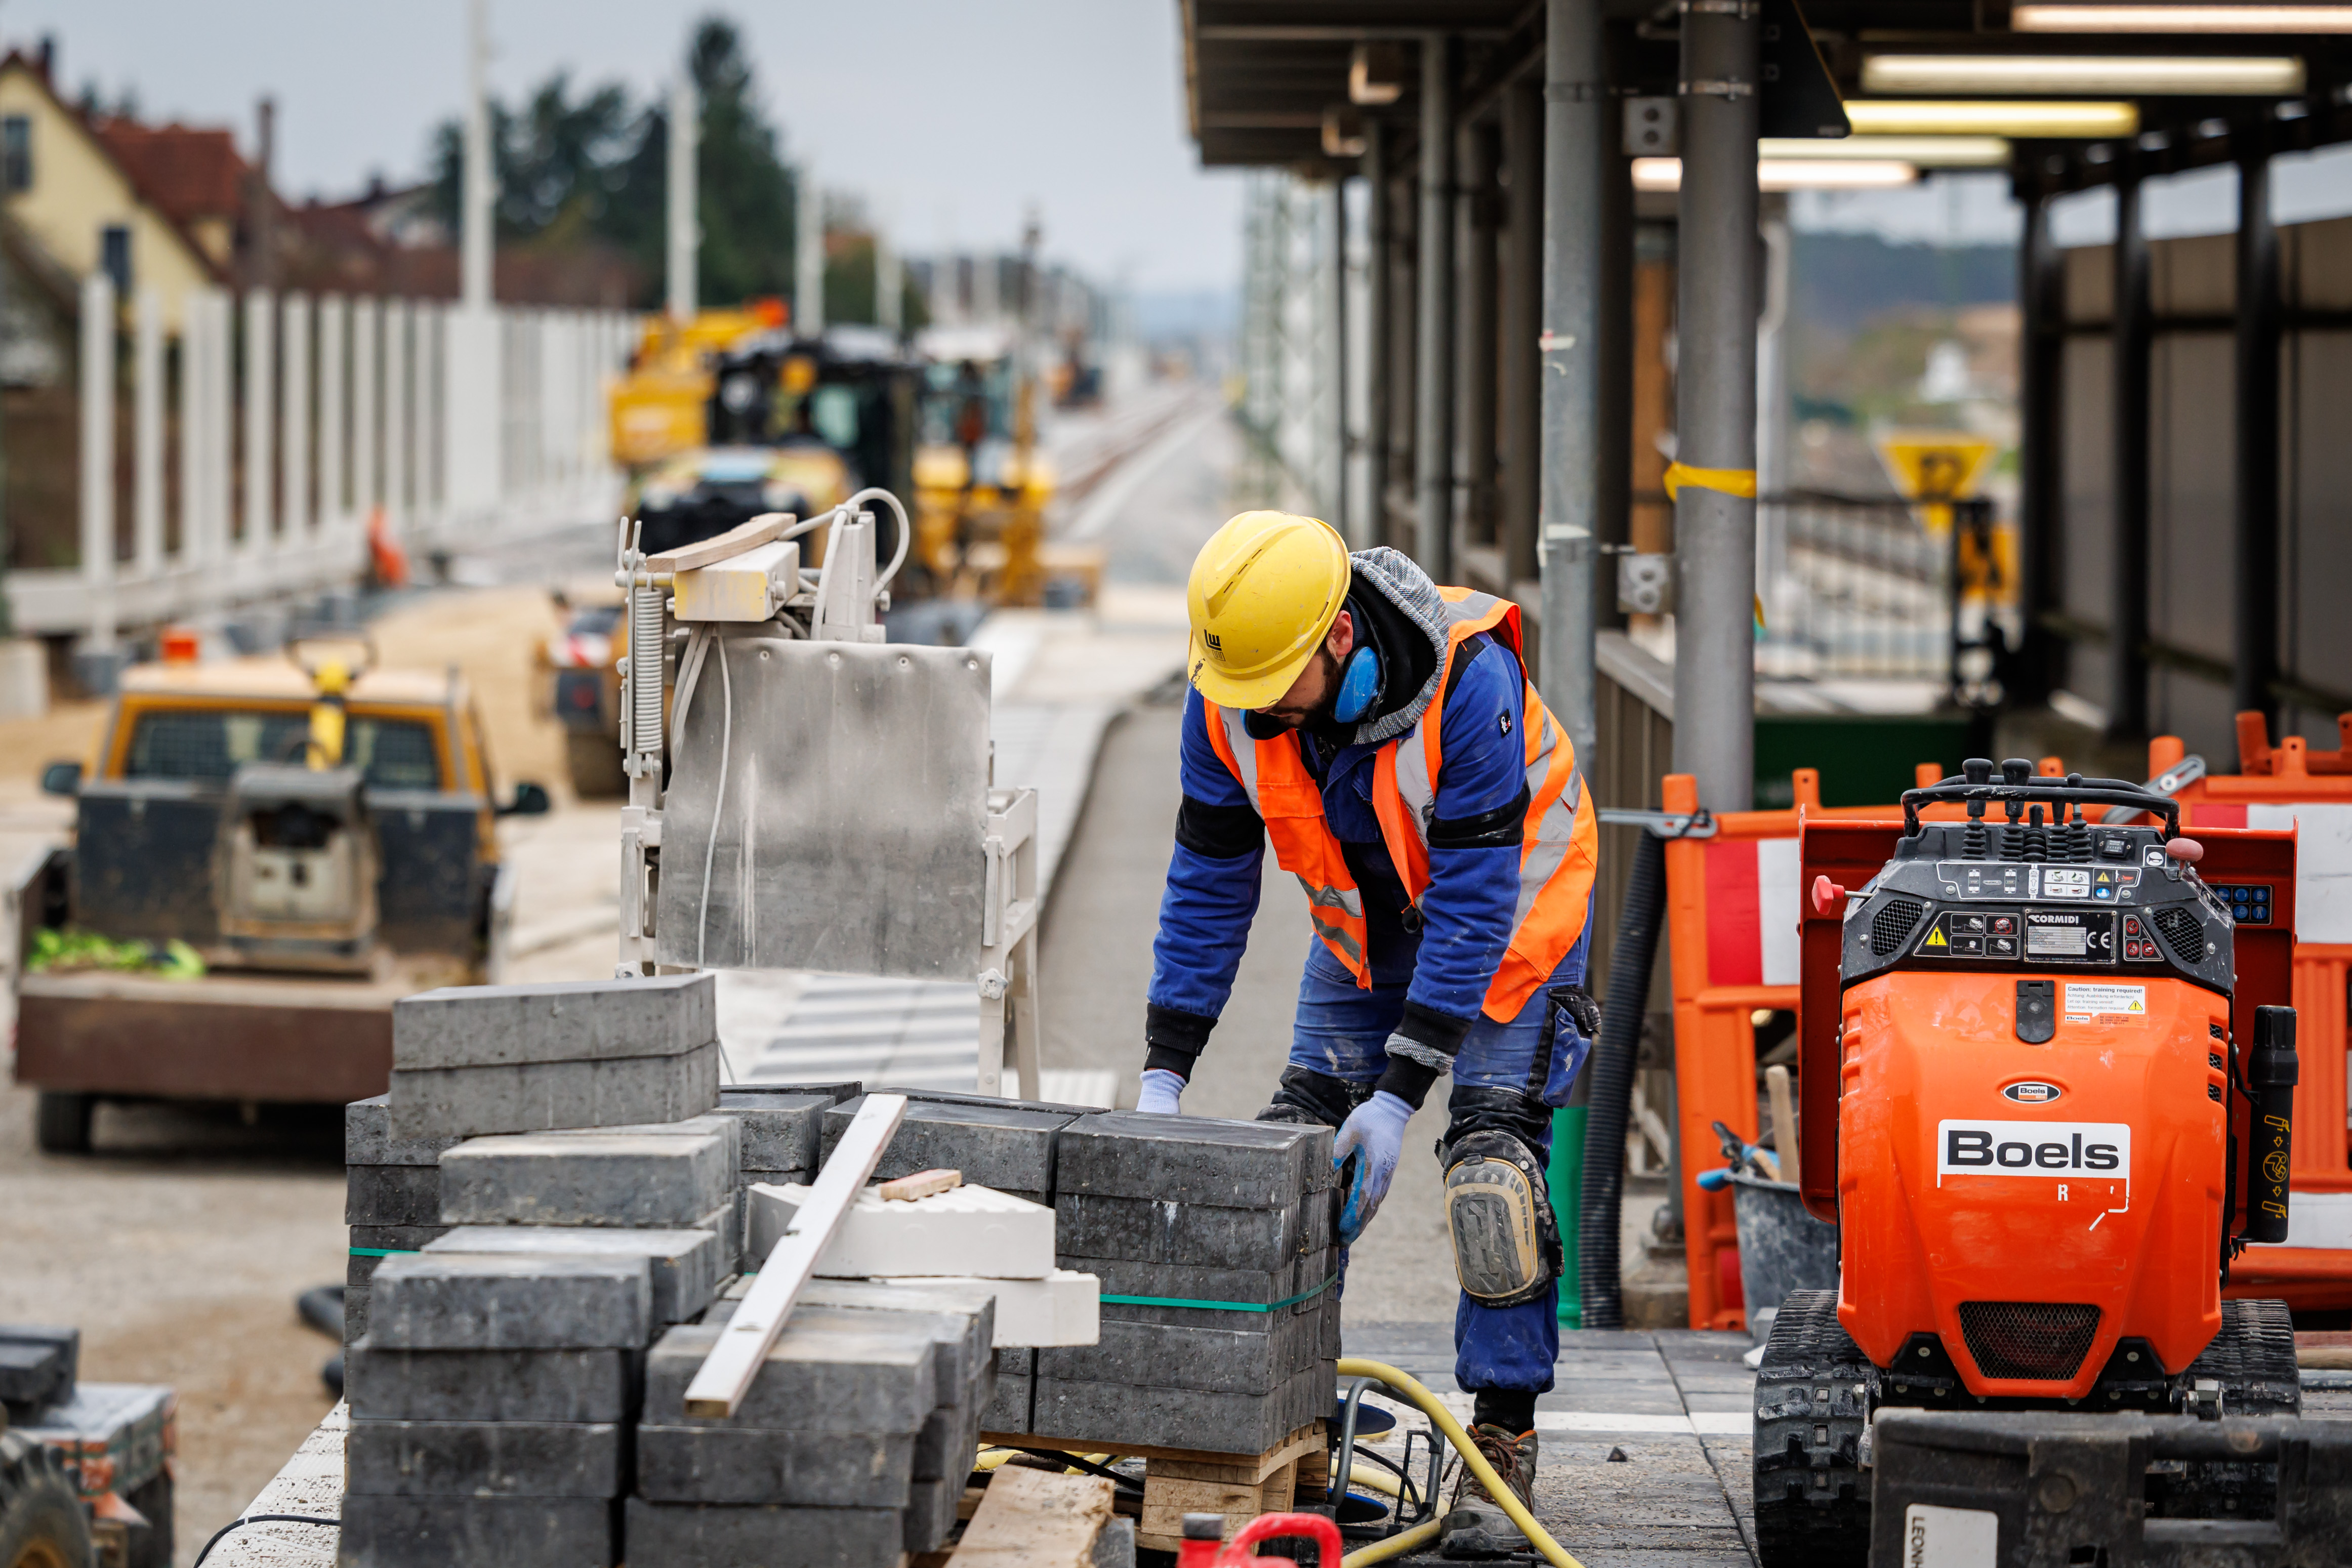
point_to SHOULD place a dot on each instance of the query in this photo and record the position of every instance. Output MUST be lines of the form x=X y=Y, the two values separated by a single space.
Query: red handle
x=1829 y=899
x=1237 y=1554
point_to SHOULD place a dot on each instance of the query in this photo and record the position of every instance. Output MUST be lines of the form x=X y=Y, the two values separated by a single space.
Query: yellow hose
x=1432 y=1406
x=1395 y=1545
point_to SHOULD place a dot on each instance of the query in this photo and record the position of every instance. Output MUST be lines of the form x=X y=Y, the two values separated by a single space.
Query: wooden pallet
x=1305 y=1440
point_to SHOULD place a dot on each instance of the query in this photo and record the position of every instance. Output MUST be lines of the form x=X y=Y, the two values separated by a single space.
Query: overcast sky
x=949 y=116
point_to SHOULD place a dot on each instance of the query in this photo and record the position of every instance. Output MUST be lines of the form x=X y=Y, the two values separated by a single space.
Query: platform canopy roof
x=1261 y=75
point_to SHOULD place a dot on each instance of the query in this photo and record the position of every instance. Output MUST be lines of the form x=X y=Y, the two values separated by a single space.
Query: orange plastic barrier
x=1732 y=907
x=2275 y=787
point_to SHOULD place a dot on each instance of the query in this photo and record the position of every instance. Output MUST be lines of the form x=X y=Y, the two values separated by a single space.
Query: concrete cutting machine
x=2061 y=1080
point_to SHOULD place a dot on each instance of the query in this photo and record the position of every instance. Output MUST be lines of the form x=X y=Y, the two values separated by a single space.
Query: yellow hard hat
x=1263 y=592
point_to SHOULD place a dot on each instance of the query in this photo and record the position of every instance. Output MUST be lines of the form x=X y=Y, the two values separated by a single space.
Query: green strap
x=1220 y=1306
x=381 y=1251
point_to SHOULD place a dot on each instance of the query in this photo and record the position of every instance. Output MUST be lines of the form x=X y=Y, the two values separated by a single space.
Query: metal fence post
x=260 y=424
x=147 y=434
x=97 y=390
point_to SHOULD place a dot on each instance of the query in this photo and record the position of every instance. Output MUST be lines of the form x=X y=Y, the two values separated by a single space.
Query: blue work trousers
x=1342 y=1032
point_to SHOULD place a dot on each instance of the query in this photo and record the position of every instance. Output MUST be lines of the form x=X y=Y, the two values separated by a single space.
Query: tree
x=746 y=196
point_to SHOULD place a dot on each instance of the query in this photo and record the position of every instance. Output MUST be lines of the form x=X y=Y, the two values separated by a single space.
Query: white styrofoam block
x=1062 y=1309
x=969 y=1230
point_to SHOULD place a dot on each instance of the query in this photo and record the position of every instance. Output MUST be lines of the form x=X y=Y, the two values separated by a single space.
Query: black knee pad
x=1498 y=1215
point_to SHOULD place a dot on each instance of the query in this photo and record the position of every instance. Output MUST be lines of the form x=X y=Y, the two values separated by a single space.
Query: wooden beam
x=727 y=1373
x=1035 y=1519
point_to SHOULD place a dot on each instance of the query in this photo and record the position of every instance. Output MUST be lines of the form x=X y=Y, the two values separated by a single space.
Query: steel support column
x=1522 y=367
x=2255 y=543
x=1575 y=162
x=1613 y=460
x=2040 y=293
x=1336 y=215
x=1475 y=212
x=1433 y=434
x=1714 y=408
x=2131 y=336
x=1378 y=322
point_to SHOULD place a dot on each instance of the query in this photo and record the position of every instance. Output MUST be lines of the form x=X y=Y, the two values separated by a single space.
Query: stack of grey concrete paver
x=494 y=1395
x=525 y=1058
x=491 y=1402
x=391 y=1198
x=1006 y=1144
x=1192 y=1209
x=852 y=1444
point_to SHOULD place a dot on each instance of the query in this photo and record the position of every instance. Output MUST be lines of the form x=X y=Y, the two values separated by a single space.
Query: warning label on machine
x=2085 y=1002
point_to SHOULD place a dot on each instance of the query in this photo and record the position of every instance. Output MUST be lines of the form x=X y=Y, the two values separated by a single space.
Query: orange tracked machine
x=2061 y=1098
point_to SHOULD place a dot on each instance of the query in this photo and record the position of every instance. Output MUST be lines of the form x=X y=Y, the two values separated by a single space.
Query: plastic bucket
x=1781 y=1247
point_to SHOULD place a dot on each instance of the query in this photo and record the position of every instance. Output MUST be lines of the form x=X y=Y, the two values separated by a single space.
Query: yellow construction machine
x=981 y=483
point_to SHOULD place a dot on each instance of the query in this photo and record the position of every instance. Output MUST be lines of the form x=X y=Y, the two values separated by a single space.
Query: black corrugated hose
x=1612 y=1071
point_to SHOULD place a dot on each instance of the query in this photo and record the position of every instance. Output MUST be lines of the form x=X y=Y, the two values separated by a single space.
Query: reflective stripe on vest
x=1558 y=849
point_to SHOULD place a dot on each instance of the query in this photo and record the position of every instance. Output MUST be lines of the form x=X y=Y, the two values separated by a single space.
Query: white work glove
x=1375 y=1131
x=1160 y=1092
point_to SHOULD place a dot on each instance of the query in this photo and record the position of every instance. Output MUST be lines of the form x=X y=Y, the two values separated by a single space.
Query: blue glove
x=1373 y=1135
x=1160 y=1092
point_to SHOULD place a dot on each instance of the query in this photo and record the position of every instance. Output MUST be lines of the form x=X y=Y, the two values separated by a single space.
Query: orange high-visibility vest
x=1557 y=853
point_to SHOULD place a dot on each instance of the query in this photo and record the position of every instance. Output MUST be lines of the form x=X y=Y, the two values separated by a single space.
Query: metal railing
x=293 y=424
x=1858 y=589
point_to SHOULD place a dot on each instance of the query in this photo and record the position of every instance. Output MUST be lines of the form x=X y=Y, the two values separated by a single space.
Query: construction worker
x=1382 y=731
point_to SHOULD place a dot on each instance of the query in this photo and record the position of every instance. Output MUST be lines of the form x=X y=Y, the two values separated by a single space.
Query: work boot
x=1476 y=1526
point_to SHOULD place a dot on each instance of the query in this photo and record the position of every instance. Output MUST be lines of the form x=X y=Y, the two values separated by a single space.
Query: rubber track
x=1812 y=1500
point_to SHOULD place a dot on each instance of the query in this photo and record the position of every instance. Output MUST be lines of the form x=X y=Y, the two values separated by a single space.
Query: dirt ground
x=179 y=1247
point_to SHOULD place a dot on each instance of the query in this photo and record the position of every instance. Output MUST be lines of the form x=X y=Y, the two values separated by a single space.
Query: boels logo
x=2033 y=1093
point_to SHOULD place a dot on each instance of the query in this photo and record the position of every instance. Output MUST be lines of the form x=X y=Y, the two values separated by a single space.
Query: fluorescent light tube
x=2069 y=18
x=2203 y=76
x=1926 y=152
x=1790 y=174
x=2036 y=117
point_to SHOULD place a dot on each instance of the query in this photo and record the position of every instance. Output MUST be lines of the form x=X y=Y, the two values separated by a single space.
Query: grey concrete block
x=833 y=1374
x=608 y=1178
x=1006 y=1146
x=391 y=1194
x=730 y=1128
x=537 y=1097
x=1193 y=1159
x=1149 y=1230
x=781 y=1131
x=1115 y=1547
x=559 y=1021
x=1253 y=1357
x=741 y=1465
x=692 y=1535
x=355 y=1312
x=370 y=1241
x=1170 y=1281
x=1180 y=1417
x=485 y=1458
x=960 y=1318
x=368 y=1139
x=688 y=1264
x=1009 y=1403
x=944 y=1447
x=475 y=1533
x=475 y=1301
x=931 y=1511
x=491 y=1386
x=961 y=1332
x=726 y=1223
x=1326 y=1312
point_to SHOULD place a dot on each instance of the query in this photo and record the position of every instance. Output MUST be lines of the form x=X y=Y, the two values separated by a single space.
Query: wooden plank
x=1034 y=1519
x=1165 y=1502
x=921 y=1184
x=736 y=540
x=728 y=1371
x=1258 y=1467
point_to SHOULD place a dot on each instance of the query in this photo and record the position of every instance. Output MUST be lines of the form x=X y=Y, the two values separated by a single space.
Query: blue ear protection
x=1360 y=685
